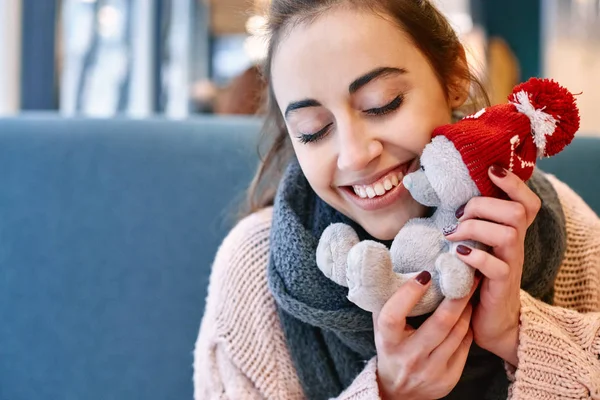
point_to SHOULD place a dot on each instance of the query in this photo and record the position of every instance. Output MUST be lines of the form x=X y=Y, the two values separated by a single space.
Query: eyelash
x=393 y=106
x=377 y=112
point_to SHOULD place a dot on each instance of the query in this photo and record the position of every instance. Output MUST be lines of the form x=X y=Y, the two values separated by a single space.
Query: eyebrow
x=376 y=73
x=296 y=105
x=353 y=88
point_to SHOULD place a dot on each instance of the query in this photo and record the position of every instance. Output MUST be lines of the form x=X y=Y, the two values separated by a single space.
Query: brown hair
x=425 y=25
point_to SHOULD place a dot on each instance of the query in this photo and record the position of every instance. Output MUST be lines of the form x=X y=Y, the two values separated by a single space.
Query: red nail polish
x=464 y=250
x=461 y=211
x=423 y=278
x=498 y=171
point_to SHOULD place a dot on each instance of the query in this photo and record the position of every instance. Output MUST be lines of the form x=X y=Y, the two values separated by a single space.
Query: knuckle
x=519 y=212
x=503 y=272
x=388 y=322
x=511 y=236
x=466 y=227
x=478 y=257
x=473 y=205
x=445 y=319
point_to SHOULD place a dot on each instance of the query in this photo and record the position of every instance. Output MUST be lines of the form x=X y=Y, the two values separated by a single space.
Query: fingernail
x=461 y=211
x=464 y=250
x=498 y=171
x=423 y=278
x=449 y=230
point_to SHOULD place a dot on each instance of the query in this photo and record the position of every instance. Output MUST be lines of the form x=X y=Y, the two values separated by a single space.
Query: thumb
x=391 y=320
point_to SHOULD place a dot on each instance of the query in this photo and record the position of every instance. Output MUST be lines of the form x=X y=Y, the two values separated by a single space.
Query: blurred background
x=178 y=58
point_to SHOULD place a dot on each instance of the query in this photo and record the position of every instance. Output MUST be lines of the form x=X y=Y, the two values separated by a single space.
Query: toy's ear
x=332 y=251
x=460 y=82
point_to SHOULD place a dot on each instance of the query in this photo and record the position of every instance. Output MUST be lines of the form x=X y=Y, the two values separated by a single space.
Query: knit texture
x=241 y=351
x=540 y=119
x=330 y=338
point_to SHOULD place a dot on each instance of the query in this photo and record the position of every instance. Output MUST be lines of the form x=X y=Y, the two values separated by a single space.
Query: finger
x=443 y=353
x=489 y=233
x=510 y=213
x=516 y=190
x=439 y=325
x=490 y=266
x=391 y=322
x=459 y=358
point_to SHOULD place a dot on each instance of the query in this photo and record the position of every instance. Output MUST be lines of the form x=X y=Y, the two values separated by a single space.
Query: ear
x=460 y=85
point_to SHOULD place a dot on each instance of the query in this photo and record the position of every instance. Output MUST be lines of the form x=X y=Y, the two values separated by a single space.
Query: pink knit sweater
x=241 y=352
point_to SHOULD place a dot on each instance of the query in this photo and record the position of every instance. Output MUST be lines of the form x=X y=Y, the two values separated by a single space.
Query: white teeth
x=380 y=188
x=370 y=192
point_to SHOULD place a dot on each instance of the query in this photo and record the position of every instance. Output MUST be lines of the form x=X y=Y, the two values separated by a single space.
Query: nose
x=357 y=148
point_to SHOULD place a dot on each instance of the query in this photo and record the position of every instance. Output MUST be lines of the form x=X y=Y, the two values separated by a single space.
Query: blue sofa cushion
x=108 y=229
x=579 y=166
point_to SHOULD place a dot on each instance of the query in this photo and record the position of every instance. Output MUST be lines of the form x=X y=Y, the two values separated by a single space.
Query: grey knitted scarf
x=329 y=338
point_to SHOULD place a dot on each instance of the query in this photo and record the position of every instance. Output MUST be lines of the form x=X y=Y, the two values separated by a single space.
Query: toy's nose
x=407 y=182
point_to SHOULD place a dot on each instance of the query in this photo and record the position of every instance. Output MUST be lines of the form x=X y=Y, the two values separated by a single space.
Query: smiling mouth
x=383 y=185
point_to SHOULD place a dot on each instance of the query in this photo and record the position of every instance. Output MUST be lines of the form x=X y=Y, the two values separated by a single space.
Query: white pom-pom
x=542 y=124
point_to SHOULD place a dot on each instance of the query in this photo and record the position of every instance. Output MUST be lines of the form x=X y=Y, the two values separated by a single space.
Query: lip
x=380 y=202
x=374 y=178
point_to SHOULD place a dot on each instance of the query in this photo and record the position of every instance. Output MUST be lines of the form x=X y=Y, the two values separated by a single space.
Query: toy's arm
x=332 y=251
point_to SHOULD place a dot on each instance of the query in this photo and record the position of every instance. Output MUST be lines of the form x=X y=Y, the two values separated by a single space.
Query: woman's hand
x=425 y=363
x=502 y=225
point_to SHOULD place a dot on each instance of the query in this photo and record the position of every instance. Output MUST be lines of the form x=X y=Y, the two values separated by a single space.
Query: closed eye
x=388 y=108
x=314 y=137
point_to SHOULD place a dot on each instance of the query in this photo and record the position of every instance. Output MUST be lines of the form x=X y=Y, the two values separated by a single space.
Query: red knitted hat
x=540 y=119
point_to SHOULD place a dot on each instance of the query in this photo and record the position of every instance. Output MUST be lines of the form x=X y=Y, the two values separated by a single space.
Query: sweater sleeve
x=365 y=385
x=237 y=354
x=558 y=352
x=240 y=352
x=559 y=346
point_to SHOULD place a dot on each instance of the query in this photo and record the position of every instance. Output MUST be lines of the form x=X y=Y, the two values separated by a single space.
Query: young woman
x=356 y=89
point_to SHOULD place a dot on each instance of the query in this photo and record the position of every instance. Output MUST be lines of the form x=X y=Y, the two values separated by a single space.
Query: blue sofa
x=107 y=232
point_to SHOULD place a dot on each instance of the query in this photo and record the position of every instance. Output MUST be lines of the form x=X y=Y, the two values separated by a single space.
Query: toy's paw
x=370 y=277
x=430 y=300
x=455 y=277
x=332 y=251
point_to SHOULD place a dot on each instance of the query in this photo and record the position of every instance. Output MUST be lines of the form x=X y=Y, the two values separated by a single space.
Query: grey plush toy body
x=372 y=272
x=539 y=120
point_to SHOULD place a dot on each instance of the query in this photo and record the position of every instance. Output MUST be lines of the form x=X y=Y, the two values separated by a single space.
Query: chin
x=382 y=231
x=386 y=227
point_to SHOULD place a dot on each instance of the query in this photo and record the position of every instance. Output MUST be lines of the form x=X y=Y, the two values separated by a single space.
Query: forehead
x=325 y=55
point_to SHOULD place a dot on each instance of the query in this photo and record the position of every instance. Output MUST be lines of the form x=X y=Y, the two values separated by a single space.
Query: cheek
x=415 y=124
x=317 y=164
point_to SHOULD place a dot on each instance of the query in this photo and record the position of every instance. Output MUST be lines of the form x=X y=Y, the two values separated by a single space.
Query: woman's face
x=360 y=103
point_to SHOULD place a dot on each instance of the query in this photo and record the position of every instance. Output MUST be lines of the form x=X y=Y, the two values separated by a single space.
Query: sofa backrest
x=108 y=229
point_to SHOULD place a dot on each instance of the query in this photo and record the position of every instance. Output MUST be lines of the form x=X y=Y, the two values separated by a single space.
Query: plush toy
x=539 y=120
